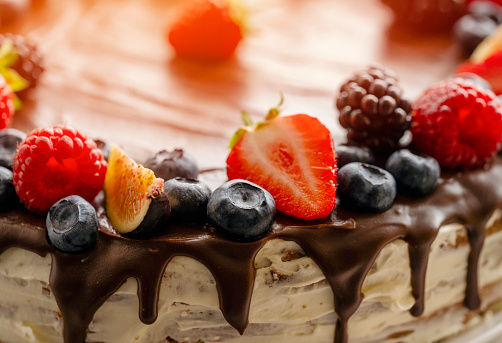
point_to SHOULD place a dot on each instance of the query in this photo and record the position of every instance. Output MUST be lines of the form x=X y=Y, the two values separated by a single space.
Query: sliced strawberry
x=293 y=158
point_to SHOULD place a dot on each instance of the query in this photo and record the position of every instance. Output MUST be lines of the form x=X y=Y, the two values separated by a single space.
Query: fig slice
x=134 y=198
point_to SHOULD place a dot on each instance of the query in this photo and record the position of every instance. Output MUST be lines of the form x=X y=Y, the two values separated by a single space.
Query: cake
x=422 y=271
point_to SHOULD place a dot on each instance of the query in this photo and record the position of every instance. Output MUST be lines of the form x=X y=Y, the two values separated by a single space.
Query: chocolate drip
x=344 y=246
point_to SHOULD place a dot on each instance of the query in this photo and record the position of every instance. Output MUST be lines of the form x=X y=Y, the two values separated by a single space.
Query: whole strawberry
x=206 y=30
x=56 y=162
x=292 y=157
x=457 y=123
x=6 y=104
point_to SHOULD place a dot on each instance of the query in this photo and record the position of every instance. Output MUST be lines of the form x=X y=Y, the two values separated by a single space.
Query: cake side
x=292 y=301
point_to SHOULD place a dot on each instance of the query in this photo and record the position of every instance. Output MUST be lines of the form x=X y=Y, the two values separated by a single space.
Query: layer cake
x=422 y=271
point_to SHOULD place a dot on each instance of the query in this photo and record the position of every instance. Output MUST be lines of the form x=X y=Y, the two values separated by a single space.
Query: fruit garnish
x=373 y=109
x=72 y=224
x=168 y=164
x=426 y=15
x=7 y=107
x=470 y=30
x=188 y=199
x=292 y=157
x=457 y=123
x=9 y=140
x=207 y=30
x=241 y=210
x=56 y=162
x=415 y=175
x=8 y=196
x=486 y=61
x=134 y=197
x=21 y=63
x=346 y=154
x=366 y=187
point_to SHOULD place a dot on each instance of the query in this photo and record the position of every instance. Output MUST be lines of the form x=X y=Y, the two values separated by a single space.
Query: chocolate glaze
x=344 y=246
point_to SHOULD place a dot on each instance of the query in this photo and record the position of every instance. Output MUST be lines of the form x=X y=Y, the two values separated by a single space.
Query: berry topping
x=476 y=79
x=8 y=196
x=366 y=187
x=415 y=175
x=457 y=123
x=170 y=164
x=488 y=9
x=135 y=198
x=21 y=55
x=207 y=30
x=426 y=15
x=486 y=61
x=72 y=224
x=188 y=199
x=241 y=210
x=55 y=162
x=470 y=30
x=104 y=146
x=373 y=109
x=292 y=157
x=6 y=104
x=346 y=154
x=9 y=141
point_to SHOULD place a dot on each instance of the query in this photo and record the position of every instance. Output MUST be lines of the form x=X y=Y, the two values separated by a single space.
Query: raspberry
x=6 y=104
x=457 y=123
x=373 y=110
x=427 y=15
x=29 y=62
x=56 y=162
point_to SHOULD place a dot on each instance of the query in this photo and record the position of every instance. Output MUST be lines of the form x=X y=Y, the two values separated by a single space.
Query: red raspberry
x=6 y=103
x=55 y=162
x=457 y=123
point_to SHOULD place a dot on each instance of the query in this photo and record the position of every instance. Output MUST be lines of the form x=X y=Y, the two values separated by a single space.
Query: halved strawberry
x=292 y=157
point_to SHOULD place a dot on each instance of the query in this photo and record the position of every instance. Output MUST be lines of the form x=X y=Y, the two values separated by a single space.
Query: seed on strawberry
x=207 y=30
x=292 y=157
x=56 y=162
x=6 y=104
x=457 y=123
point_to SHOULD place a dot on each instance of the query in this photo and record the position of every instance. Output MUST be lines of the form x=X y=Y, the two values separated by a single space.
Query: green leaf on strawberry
x=8 y=56
x=293 y=158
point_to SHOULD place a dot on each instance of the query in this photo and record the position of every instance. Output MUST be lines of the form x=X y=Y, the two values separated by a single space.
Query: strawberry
x=206 y=30
x=486 y=61
x=292 y=157
x=6 y=104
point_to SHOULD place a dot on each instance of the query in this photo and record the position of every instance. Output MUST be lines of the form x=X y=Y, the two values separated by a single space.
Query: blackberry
x=29 y=63
x=427 y=15
x=373 y=110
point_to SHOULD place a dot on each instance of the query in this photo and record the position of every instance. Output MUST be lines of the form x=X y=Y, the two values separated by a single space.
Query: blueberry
x=72 y=224
x=470 y=30
x=170 y=164
x=188 y=198
x=9 y=140
x=346 y=154
x=488 y=9
x=8 y=196
x=416 y=175
x=241 y=210
x=366 y=187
